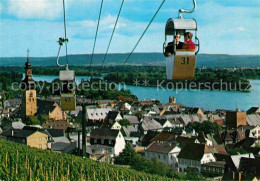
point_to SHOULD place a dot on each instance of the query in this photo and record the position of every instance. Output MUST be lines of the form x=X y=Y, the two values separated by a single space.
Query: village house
x=30 y=138
x=164 y=152
x=193 y=155
x=165 y=123
x=51 y=109
x=113 y=116
x=131 y=134
x=213 y=169
x=253 y=110
x=95 y=115
x=12 y=103
x=133 y=120
x=255 y=132
x=116 y=125
x=148 y=123
x=123 y=106
x=105 y=141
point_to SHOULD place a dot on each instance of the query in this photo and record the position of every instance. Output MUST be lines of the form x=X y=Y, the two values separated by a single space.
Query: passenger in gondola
x=189 y=44
x=169 y=48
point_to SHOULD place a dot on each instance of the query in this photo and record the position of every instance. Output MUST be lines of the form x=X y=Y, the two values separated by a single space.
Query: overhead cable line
x=144 y=32
x=112 y=33
x=65 y=32
x=63 y=40
x=96 y=32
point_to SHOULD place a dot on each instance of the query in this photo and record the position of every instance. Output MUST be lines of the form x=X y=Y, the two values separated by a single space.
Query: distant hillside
x=208 y=60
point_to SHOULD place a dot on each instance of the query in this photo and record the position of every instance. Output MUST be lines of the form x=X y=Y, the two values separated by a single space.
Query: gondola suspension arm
x=188 y=11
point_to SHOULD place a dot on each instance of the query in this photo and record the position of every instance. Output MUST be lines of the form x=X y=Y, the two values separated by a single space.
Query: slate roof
x=250 y=166
x=185 y=140
x=219 y=149
x=253 y=110
x=150 y=124
x=129 y=129
x=186 y=119
x=220 y=164
x=253 y=119
x=57 y=124
x=17 y=125
x=112 y=115
x=162 y=121
x=194 y=151
x=146 y=139
x=236 y=158
x=104 y=133
x=13 y=102
x=56 y=132
x=246 y=143
x=45 y=107
x=18 y=133
x=131 y=119
x=161 y=147
x=164 y=136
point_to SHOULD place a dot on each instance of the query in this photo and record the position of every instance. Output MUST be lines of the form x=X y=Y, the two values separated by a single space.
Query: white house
x=113 y=116
x=164 y=152
x=164 y=122
x=116 y=125
x=255 y=132
x=124 y=106
x=97 y=114
x=105 y=141
x=193 y=155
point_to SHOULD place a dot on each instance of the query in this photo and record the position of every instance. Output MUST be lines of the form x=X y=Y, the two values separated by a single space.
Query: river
x=206 y=99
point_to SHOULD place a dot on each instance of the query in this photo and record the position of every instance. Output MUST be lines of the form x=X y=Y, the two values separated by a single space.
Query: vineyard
x=20 y=162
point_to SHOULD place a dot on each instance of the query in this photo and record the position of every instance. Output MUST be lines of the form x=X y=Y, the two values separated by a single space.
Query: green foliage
x=42 y=118
x=140 y=163
x=237 y=151
x=20 y=162
x=6 y=123
x=31 y=120
x=126 y=156
x=124 y=122
x=7 y=79
x=97 y=89
x=206 y=126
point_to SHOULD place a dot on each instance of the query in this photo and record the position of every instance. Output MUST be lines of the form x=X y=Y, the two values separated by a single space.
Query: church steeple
x=28 y=82
x=29 y=99
x=28 y=64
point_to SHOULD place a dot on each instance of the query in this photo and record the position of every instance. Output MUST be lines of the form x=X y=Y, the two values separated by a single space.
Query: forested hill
x=207 y=60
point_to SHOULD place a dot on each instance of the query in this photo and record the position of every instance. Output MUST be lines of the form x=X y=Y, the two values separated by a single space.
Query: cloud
x=35 y=9
x=240 y=28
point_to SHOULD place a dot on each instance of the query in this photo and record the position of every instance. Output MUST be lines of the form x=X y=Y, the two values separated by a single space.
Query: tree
x=127 y=156
x=43 y=118
x=124 y=122
x=31 y=120
x=6 y=123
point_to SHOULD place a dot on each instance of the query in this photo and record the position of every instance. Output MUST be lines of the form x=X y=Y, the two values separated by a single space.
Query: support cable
x=65 y=32
x=96 y=33
x=144 y=32
x=112 y=33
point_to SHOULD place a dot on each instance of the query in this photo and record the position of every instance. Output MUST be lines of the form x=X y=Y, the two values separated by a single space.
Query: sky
x=224 y=26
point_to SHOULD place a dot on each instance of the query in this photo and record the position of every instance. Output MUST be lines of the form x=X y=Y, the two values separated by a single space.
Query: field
x=19 y=162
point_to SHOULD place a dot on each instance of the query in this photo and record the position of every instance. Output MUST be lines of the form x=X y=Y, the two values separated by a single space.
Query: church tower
x=29 y=99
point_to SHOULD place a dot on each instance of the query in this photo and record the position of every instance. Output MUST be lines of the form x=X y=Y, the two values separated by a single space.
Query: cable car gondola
x=181 y=63
x=67 y=77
